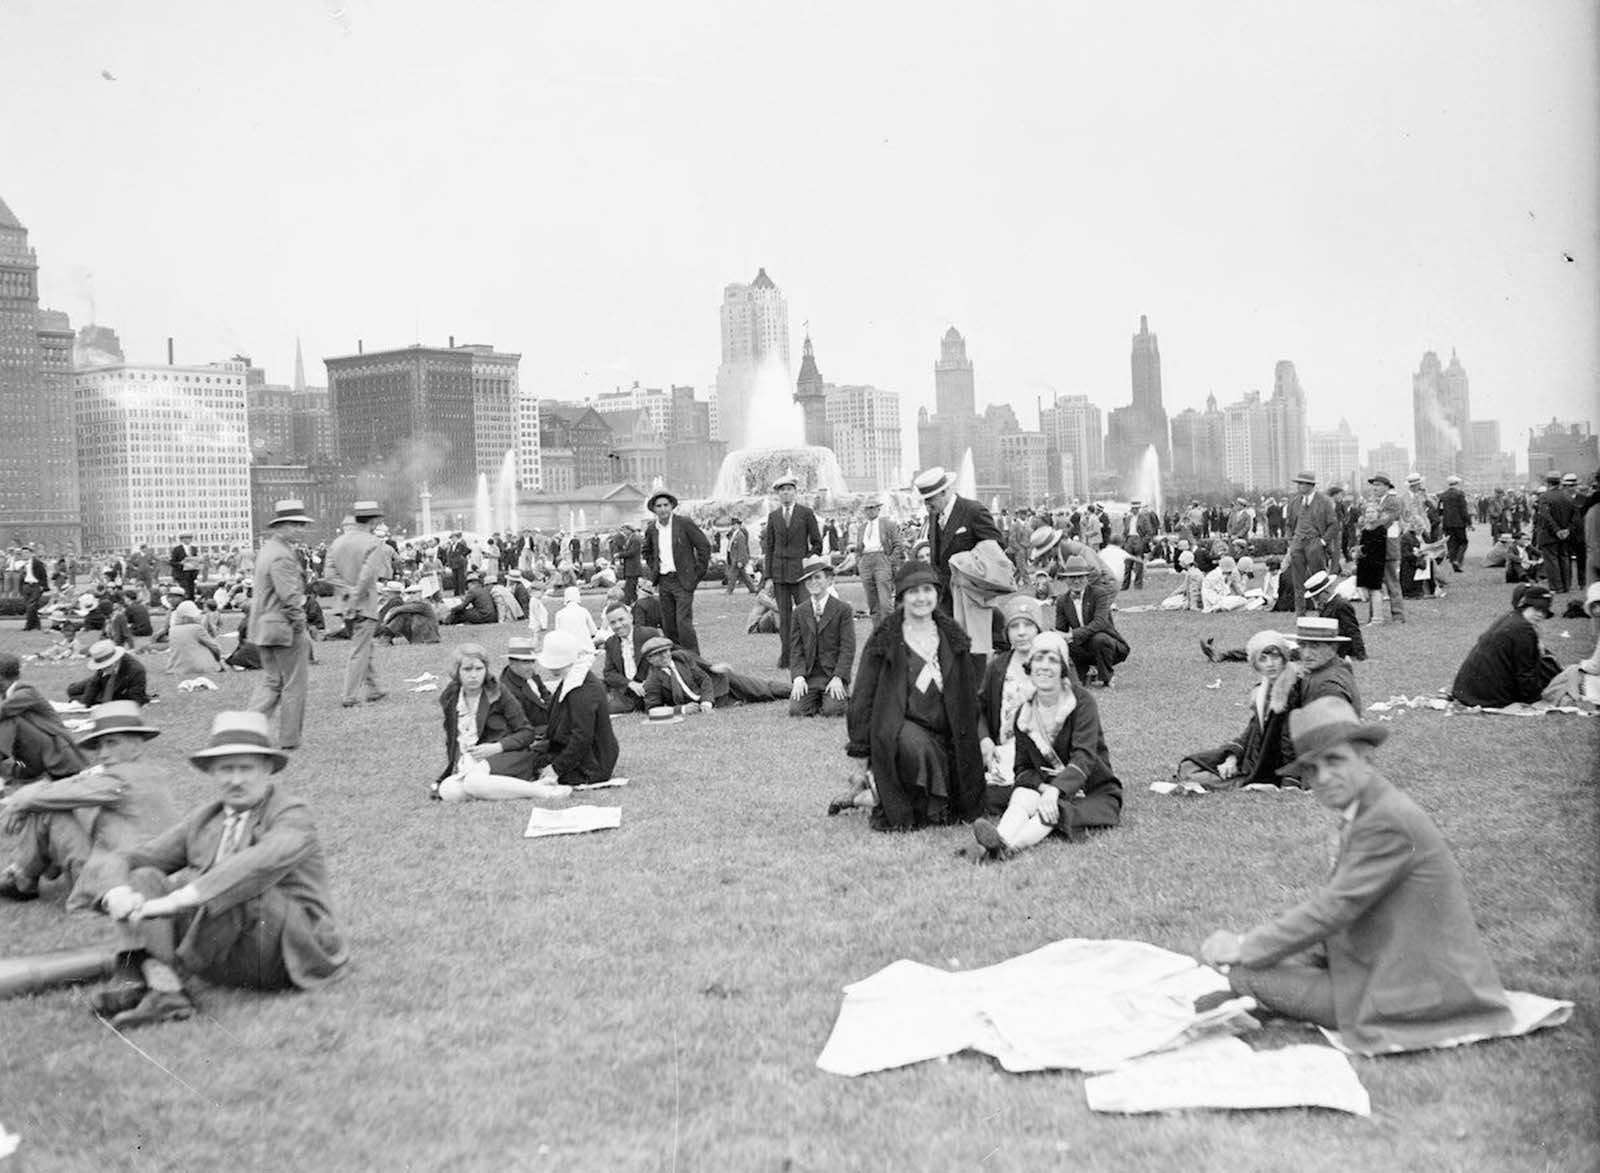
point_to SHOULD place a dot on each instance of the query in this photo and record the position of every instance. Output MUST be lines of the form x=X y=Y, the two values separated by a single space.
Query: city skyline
x=1345 y=191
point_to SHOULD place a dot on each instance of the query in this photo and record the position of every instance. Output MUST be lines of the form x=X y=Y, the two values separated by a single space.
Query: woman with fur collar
x=1254 y=756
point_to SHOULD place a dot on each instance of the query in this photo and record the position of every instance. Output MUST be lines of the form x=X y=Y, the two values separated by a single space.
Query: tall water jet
x=506 y=492
x=1147 y=479
x=966 y=476
x=482 y=511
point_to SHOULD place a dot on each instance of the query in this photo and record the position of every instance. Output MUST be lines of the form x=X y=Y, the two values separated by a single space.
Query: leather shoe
x=1208 y=646
x=377 y=696
x=11 y=890
x=123 y=993
x=156 y=1006
x=988 y=837
x=349 y=704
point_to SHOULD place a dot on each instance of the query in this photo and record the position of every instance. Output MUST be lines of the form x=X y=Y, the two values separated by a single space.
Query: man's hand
x=1049 y=805
x=121 y=901
x=798 y=689
x=636 y=687
x=1221 y=949
x=986 y=750
x=835 y=689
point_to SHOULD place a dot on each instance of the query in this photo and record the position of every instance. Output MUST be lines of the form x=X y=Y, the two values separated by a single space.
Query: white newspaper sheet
x=572 y=820
x=1224 y=1073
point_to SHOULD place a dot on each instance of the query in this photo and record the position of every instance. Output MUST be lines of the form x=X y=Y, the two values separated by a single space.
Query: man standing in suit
x=1385 y=513
x=1456 y=516
x=1313 y=535
x=880 y=551
x=236 y=893
x=35 y=578
x=278 y=623
x=676 y=554
x=357 y=562
x=792 y=535
x=185 y=563
x=458 y=555
x=738 y=561
x=629 y=563
x=955 y=524
x=1554 y=519
x=624 y=665
x=1386 y=952
x=822 y=646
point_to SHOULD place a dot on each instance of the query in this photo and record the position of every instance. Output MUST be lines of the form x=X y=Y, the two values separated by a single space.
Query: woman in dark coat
x=1254 y=756
x=913 y=713
x=1064 y=780
x=579 y=744
x=486 y=736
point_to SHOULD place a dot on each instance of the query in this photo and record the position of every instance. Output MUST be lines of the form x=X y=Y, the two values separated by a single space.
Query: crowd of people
x=972 y=701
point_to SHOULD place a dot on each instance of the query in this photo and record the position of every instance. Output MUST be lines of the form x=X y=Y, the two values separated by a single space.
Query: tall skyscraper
x=1143 y=423
x=1025 y=456
x=38 y=455
x=1286 y=414
x=1247 y=443
x=954 y=393
x=864 y=433
x=165 y=450
x=755 y=334
x=1336 y=457
x=1073 y=443
x=1199 y=449
x=810 y=394
x=1439 y=416
x=530 y=472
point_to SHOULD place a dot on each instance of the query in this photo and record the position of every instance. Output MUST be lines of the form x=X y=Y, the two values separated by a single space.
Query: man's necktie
x=232 y=833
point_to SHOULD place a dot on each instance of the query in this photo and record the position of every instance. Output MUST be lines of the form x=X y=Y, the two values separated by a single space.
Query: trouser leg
x=240 y=946
x=784 y=593
x=51 y=839
x=1391 y=587
x=1297 y=575
x=683 y=601
x=754 y=690
x=360 y=680
x=666 y=592
x=1555 y=567
x=807 y=705
x=294 y=667
x=1301 y=992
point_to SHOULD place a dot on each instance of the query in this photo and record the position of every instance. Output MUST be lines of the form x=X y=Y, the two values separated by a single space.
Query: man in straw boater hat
x=1313 y=535
x=1322 y=593
x=676 y=555
x=235 y=893
x=73 y=824
x=358 y=561
x=114 y=676
x=1323 y=671
x=278 y=623
x=955 y=524
x=790 y=538
x=1387 y=951
x=1384 y=511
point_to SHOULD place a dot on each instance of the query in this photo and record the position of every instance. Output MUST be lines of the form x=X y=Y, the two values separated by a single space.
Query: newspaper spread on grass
x=573 y=820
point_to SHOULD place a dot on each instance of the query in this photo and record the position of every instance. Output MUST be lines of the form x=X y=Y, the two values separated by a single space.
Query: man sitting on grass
x=625 y=667
x=1386 y=951
x=1507 y=665
x=34 y=743
x=236 y=893
x=822 y=646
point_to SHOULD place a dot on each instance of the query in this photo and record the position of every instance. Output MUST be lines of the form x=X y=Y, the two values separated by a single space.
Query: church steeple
x=299 y=367
x=810 y=393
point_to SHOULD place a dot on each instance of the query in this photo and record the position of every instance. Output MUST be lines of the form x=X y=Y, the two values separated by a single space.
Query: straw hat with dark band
x=236 y=733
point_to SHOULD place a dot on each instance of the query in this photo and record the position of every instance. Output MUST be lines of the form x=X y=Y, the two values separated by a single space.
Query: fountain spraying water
x=1147 y=479
x=506 y=492
x=966 y=477
x=482 y=511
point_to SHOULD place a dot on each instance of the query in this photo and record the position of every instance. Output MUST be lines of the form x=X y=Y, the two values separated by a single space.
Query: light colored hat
x=1075 y=566
x=1414 y=479
x=1313 y=629
x=786 y=478
x=1135 y=503
x=1569 y=478
x=561 y=650
x=119 y=717
x=1317 y=582
x=186 y=610
x=933 y=481
x=1305 y=478
x=872 y=503
x=366 y=510
x=662 y=715
x=1226 y=564
x=1043 y=540
x=1051 y=641
x=1015 y=607
x=656 y=643
x=1592 y=598
x=396 y=587
x=290 y=511
x=1452 y=479
x=103 y=653
x=1247 y=564
x=520 y=647
x=234 y=733
x=571 y=594
x=1324 y=723
x=1261 y=641
x=815 y=565
x=1186 y=558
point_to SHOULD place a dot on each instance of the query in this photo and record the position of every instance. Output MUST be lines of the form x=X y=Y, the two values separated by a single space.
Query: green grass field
x=655 y=997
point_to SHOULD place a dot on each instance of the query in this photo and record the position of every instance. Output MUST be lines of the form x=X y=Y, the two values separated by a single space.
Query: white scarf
x=1042 y=727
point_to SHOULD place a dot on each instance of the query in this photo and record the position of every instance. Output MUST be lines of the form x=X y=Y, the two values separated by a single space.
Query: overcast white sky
x=1343 y=185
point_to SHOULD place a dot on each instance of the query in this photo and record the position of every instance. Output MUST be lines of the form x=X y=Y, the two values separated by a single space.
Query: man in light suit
x=1386 y=513
x=1313 y=535
x=676 y=554
x=278 y=623
x=1386 y=952
x=880 y=552
x=792 y=535
x=955 y=524
x=357 y=562
x=236 y=893
x=822 y=647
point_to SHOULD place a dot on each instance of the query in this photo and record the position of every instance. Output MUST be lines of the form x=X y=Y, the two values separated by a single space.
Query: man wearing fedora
x=1386 y=952
x=115 y=676
x=235 y=893
x=1385 y=512
x=676 y=555
x=822 y=646
x=184 y=562
x=955 y=524
x=1508 y=665
x=1455 y=513
x=880 y=552
x=790 y=537
x=278 y=623
x=1320 y=593
x=358 y=561
x=1313 y=535
x=75 y=823
x=1084 y=615
x=520 y=680
x=33 y=580
x=1554 y=521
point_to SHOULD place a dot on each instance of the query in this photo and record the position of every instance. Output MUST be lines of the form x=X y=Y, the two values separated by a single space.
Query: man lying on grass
x=236 y=893
x=1386 y=951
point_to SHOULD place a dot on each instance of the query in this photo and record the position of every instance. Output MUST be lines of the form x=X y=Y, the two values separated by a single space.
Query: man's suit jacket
x=1457 y=514
x=615 y=671
x=1409 y=969
x=1553 y=513
x=357 y=562
x=826 y=649
x=1317 y=521
x=890 y=540
x=279 y=851
x=785 y=548
x=278 y=609
x=41 y=576
x=1084 y=618
x=970 y=523
x=127 y=681
x=632 y=565
x=691 y=552
x=530 y=693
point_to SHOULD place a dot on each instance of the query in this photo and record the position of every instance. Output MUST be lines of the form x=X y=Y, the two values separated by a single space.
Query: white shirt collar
x=949 y=508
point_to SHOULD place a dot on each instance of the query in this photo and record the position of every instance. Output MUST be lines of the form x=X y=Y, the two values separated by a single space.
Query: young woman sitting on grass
x=487 y=737
x=1254 y=756
x=1063 y=782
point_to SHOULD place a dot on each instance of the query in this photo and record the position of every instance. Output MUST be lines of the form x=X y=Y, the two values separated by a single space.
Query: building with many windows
x=1336 y=457
x=755 y=336
x=38 y=459
x=1199 y=449
x=1246 y=443
x=1025 y=456
x=163 y=450
x=1074 y=443
x=864 y=432
x=1142 y=424
x=1286 y=427
x=1440 y=415
x=1391 y=459
x=530 y=462
x=1562 y=447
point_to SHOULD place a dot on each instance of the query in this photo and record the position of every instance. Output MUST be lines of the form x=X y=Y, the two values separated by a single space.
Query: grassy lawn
x=655 y=997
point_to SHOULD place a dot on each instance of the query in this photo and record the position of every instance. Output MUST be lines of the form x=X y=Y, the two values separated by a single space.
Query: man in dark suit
x=955 y=524
x=880 y=552
x=630 y=564
x=624 y=667
x=35 y=579
x=1387 y=951
x=520 y=679
x=1554 y=520
x=116 y=676
x=676 y=554
x=737 y=570
x=1313 y=535
x=822 y=646
x=184 y=562
x=1084 y=612
x=457 y=555
x=792 y=535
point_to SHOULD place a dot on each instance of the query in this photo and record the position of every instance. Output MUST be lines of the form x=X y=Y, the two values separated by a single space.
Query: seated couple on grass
x=494 y=746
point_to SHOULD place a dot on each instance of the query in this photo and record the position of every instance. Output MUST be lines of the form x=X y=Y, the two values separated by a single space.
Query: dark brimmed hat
x=290 y=512
x=1305 y=478
x=520 y=647
x=120 y=717
x=366 y=510
x=1379 y=478
x=915 y=574
x=1324 y=723
x=1533 y=594
x=235 y=733
x=815 y=565
x=1075 y=566
x=660 y=495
